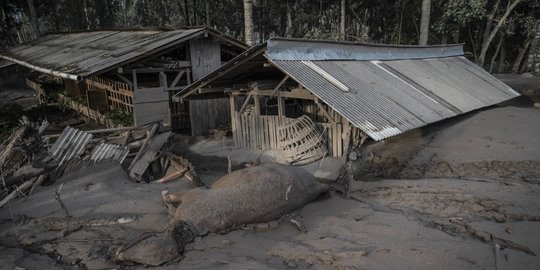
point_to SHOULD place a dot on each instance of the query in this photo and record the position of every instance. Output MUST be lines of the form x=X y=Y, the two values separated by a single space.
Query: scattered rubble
x=26 y=162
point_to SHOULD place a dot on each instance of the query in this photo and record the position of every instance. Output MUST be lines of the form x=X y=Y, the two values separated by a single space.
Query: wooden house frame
x=351 y=91
x=132 y=71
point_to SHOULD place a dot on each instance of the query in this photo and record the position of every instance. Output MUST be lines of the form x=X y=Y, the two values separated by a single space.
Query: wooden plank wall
x=205 y=54
x=150 y=105
x=208 y=113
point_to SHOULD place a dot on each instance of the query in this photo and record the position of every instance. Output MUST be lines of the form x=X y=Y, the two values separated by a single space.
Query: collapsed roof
x=81 y=54
x=384 y=90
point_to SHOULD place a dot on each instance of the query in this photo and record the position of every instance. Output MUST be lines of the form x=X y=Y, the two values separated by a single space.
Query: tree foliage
x=392 y=21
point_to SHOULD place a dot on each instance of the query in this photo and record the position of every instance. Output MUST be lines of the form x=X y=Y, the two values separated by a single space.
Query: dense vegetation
x=496 y=33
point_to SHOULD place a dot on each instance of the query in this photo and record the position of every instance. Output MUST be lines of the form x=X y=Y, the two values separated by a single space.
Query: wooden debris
x=489 y=237
x=57 y=197
x=149 y=137
x=38 y=182
x=18 y=190
x=172 y=176
x=301 y=141
x=146 y=156
x=301 y=228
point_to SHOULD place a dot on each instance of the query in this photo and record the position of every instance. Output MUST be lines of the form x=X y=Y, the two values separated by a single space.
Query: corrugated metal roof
x=299 y=49
x=411 y=87
x=386 y=98
x=107 y=151
x=71 y=143
x=90 y=53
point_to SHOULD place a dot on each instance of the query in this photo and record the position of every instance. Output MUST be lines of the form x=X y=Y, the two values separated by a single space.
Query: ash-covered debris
x=29 y=159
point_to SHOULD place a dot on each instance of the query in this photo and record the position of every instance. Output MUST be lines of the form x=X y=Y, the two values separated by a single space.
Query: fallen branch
x=57 y=197
x=489 y=237
x=38 y=182
x=23 y=187
x=301 y=228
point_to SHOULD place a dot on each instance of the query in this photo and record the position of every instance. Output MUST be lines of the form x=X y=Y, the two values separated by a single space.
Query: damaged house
x=312 y=98
x=128 y=72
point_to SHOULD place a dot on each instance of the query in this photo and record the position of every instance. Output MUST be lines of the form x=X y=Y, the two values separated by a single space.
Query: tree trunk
x=125 y=13
x=195 y=17
x=33 y=17
x=248 y=22
x=86 y=19
x=502 y=20
x=186 y=12
x=495 y=55
x=502 y=56
x=489 y=22
x=288 y=28
x=521 y=54
x=342 y=20
x=424 y=22
x=207 y=12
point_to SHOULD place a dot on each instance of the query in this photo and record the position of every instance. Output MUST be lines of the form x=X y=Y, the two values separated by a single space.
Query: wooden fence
x=252 y=132
x=261 y=132
x=119 y=95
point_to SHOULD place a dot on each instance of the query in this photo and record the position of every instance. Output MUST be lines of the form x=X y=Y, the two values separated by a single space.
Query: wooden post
x=281 y=106
x=234 y=130
x=257 y=122
x=135 y=85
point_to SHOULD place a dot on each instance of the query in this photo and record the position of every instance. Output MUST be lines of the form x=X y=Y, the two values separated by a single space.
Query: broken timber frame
x=256 y=131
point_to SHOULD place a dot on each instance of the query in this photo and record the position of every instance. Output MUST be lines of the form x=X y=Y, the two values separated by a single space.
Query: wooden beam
x=126 y=80
x=281 y=105
x=298 y=95
x=204 y=83
x=177 y=78
x=280 y=84
x=163 y=80
x=245 y=103
x=330 y=118
x=134 y=74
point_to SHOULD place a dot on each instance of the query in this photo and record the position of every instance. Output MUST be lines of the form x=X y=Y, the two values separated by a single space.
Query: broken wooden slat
x=172 y=176
x=22 y=188
x=144 y=145
x=140 y=165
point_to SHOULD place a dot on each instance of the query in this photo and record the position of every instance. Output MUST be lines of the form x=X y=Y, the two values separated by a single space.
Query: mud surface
x=483 y=220
x=496 y=143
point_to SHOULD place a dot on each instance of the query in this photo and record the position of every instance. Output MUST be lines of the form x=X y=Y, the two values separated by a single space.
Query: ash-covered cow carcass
x=252 y=195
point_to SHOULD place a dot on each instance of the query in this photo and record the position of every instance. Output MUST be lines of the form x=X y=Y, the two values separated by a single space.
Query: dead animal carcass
x=252 y=195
